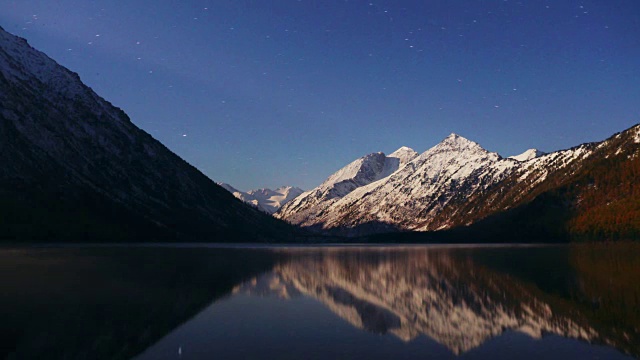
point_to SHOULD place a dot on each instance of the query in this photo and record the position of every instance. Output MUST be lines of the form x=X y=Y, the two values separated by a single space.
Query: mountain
x=75 y=168
x=266 y=200
x=587 y=191
x=528 y=155
x=405 y=197
x=359 y=173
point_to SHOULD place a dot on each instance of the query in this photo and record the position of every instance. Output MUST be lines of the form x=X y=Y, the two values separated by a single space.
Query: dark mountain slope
x=594 y=198
x=75 y=168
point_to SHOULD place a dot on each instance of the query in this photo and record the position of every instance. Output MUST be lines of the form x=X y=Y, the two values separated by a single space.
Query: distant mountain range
x=75 y=168
x=265 y=199
x=589 y=191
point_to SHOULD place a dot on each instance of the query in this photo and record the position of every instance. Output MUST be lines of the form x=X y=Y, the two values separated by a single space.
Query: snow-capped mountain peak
x=457 y=143
x=453 y=150
x=289 y=191
x=389 y=188
x=261 y=192
x=405 y=154
x=528 y=155
x=265 y=199
x=361 y=170
x=454 y=183
x=366 y=170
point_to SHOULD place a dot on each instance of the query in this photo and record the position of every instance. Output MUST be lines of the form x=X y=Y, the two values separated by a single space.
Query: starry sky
x=271 y=92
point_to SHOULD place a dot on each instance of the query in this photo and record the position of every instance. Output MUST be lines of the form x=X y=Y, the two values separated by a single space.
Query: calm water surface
x=561 y=302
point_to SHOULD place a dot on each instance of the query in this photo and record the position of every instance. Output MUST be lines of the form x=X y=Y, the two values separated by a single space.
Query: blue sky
x=267 y=93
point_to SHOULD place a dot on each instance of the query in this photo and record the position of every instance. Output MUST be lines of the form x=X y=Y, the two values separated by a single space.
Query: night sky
x=267 y=93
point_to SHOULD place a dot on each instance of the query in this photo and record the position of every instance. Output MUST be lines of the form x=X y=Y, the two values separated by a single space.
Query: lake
x=336 y=302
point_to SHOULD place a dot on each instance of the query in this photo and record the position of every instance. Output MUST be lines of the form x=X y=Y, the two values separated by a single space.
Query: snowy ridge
x=455 y=167
x=266 y=200
x=41 y=76
x=361 y=172
x=528 y=155
x=21 y=62
x=416 y=188
x=537 y=171
x=456 y=182
x=404 y=154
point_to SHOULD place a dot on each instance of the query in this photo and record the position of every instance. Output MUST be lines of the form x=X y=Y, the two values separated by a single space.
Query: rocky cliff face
x=75 y=168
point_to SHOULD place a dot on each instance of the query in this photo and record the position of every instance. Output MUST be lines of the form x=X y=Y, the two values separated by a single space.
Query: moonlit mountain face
x=361 y=172
x=410 y=195
x=266 y=200
x=457 y=182
x=75 y=168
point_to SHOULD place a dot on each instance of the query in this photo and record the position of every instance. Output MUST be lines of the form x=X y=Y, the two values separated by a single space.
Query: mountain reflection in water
x=559 y=302
x=462 y=298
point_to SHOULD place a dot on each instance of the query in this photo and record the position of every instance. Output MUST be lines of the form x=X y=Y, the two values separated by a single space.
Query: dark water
x=572 y=302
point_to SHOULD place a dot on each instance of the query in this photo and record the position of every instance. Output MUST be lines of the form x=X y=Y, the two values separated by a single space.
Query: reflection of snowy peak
x=453 y=302
x=265 y=199
x=266 y=285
